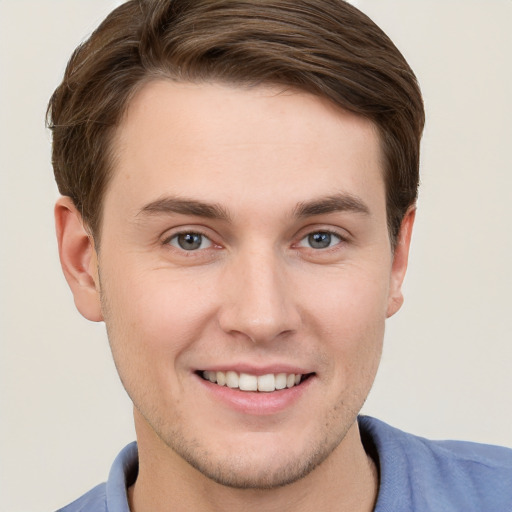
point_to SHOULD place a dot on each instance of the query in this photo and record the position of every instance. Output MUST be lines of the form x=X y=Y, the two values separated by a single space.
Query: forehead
x=226 y=143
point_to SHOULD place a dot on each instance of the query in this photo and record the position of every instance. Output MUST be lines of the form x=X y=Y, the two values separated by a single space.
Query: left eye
x=320 y=240
x=190 y=241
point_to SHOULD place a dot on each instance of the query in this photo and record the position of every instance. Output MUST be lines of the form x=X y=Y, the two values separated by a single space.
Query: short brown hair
x=324 y=47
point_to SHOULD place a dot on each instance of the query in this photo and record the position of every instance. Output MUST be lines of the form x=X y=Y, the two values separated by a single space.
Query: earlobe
x=400 y=260
x=78 y=259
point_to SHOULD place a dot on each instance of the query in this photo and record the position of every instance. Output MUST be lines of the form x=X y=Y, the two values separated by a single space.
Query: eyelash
x=324 y=232
x=175 y=236
x=330 y=233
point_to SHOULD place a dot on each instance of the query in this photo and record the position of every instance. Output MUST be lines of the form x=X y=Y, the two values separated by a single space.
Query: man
x=238 y=188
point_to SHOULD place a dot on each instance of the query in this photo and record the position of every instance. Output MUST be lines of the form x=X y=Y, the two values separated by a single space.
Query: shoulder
x=439 y=475
x=111 y=496
x=93 y=501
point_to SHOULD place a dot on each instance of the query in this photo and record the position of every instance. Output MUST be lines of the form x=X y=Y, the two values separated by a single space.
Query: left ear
x=400 y=259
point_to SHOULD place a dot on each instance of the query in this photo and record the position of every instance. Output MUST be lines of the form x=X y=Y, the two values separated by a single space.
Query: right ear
x=78 y=259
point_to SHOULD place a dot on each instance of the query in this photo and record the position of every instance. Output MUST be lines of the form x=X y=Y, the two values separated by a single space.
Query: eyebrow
x=336 y=203
x=185 y=206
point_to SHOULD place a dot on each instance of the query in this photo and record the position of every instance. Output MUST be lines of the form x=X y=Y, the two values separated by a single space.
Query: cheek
x=349 y=316
x=152 y=321
x=350 y=299
x=152 y=315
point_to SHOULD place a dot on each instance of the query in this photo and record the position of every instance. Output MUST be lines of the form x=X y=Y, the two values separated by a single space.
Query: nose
x=258 y=300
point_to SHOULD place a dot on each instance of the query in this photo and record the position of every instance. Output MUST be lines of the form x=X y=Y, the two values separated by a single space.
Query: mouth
x=267 y=383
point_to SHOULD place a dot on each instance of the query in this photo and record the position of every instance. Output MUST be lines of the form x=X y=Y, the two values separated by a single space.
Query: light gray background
x=446 y=367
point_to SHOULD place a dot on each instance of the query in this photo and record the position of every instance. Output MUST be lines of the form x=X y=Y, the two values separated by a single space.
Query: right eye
x=190 y=241
x=320 y=240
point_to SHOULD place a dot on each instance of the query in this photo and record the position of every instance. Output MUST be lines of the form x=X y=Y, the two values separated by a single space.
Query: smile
x=246 y=382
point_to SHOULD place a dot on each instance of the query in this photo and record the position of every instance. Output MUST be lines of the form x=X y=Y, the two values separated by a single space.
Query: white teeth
x=267 y=382
x=247 y=382
x=221 y=378
x=280 y=380
x=231 y=379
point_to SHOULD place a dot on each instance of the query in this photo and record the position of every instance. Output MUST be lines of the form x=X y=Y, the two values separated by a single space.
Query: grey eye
x=190 y=241
x=320 y=240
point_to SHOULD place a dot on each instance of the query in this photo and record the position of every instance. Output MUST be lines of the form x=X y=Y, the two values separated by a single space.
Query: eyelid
x=340 y=232
x=205 y=243
x=169 y=234
x=330 y=233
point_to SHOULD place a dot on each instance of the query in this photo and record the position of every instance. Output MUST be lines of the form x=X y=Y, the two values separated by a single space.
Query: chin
x=271 y=466
x=243 y=472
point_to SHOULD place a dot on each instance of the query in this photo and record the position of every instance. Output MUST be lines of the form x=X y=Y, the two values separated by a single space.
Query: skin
x=255 y=293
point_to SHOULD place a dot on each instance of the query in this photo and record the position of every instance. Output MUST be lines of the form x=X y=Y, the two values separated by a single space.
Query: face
x=244 y=246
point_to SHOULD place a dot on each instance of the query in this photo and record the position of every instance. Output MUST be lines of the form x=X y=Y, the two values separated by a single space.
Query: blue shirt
x=416 y=475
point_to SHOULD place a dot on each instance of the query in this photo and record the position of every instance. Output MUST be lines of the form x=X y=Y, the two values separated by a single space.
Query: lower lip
x=254 y=402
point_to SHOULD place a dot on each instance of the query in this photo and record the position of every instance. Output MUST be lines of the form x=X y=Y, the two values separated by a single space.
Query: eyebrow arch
x=185 y=206
x=335 y=203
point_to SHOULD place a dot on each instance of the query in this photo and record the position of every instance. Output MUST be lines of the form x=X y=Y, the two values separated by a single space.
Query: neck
x=346 y=481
